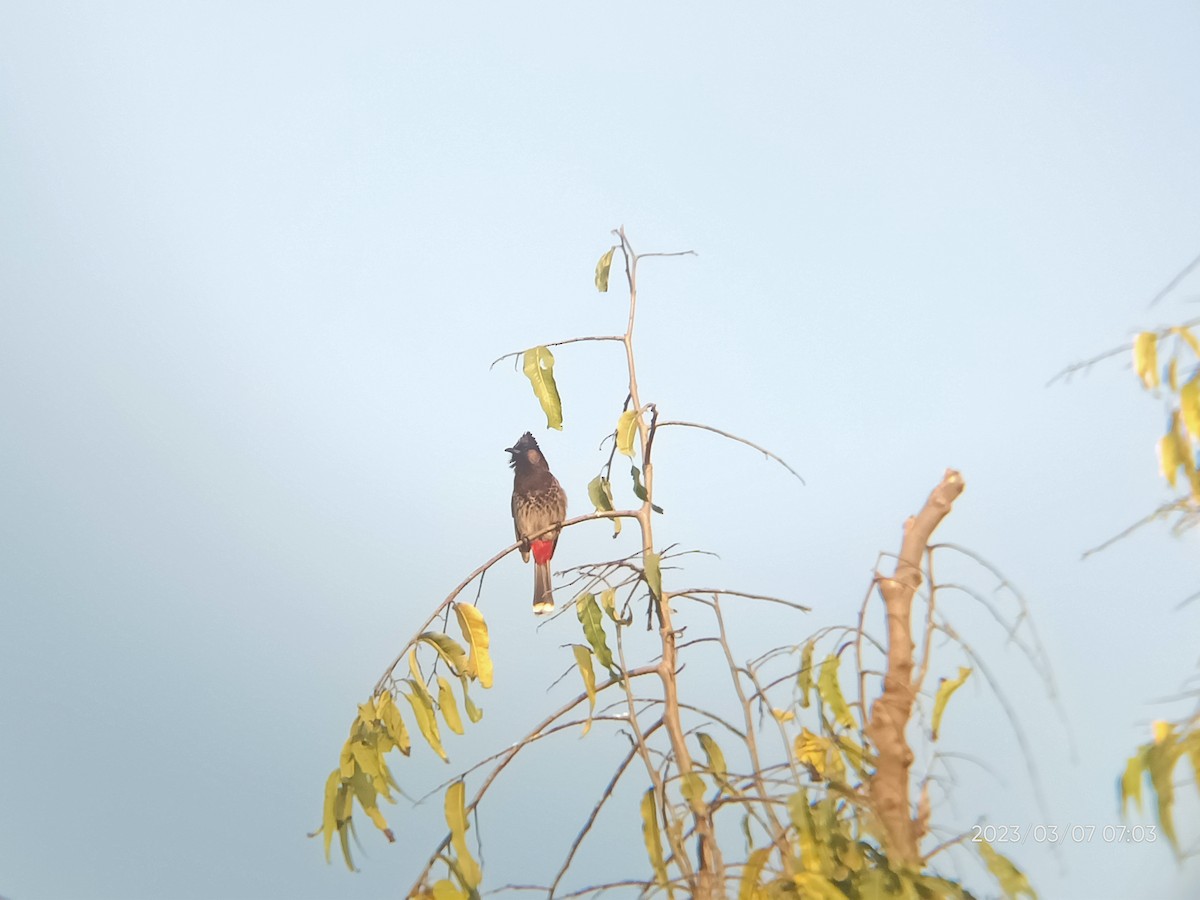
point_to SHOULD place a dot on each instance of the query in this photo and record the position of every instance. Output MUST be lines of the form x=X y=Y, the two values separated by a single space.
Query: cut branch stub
x=892 y=710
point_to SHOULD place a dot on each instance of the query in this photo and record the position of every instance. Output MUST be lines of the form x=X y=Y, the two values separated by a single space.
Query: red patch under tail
x=542 y=551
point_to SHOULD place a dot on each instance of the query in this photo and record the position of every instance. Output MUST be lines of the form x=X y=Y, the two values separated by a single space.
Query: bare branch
x=577 y=340
x=740 y=440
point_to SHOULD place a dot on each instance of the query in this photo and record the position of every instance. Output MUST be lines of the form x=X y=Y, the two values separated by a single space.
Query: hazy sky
x=255 y=260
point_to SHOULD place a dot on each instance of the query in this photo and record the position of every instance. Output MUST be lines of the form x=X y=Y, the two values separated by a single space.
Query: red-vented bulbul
x=538 y=502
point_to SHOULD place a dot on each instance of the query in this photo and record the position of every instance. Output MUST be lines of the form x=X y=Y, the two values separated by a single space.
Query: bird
x=538 y=503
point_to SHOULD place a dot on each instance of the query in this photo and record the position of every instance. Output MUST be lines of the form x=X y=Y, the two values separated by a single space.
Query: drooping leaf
x=447 y=890
x=1173 y=374
x=367 y=797
x=538 y=366
x=1189 y=406
x=456 y=819
x=691 y=786
x=592 y=620
x=652 y=837
x=329 y=823
x=814 y=886
x=1187 y=335
x=626 y=429
x=449 y=706
x=583 y=659
x=1145 y=358
x=1131 y=782
x=608 y=599
x=653 y=574
x=602 y=268
x=1009 y=877
x=422 y=706
x=1161 y=757
x=946 y=687
x=389 y=715
x=600 y=493
x=450 y=650
x=1170 y=454
x=716 y=761
x=748 y=886
x=475 y=633
x=474 y=713
x=804 y=677
x=831 y=691
x=639 y=489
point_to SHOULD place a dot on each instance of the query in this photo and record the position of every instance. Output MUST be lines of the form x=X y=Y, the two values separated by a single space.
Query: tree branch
x=891 y=711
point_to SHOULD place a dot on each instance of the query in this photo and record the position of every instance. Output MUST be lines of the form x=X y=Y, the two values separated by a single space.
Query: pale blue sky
x=255 y=260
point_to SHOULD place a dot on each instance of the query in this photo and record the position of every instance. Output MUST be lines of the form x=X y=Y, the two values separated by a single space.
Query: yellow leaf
x=748 y=887
x=811 y=750
x=602 y=268
x=538 y=366
x=1009 y=877
x=583 y=659
x=474 y=713
x=1131 y=782
x=1173 y=374
x=385 y=708
x=716 y=761
x=475 y=633
x=422 y=705
x=608 y=599
x=447 y=890
x=653 y=575
x=653 y=837
x=1189 y=337
x=814 y=886
x=945 y=689
x=783 y=715
x=448 y=649
x=448 y=706
x=329 y=823
x=804 y=677
x=691 y=786
x=366 y=758
x=831 y=691
x=456 y=818
x=1169 y=458
x=1163 y=731
x=626 y=429
x=1145 y=358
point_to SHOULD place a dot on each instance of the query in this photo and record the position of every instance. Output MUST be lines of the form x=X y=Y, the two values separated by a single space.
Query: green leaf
x=600 y=493
x=449 y=706
x=804 y=677
x=626 y=429
x=945 y=689
x=475 y=633
x=602 y=268
x=639 y=489
x=456 y=818
x=653 y=574
x=422 y=705
x=448 y=649
x=814 y=886
x=592 y=620
x=1145 y=358
x=716 y=761
x=583 y=659
x=652 y=837
x=474 y=713
x=539 y=369
x=1009 y=877
x=831 y=691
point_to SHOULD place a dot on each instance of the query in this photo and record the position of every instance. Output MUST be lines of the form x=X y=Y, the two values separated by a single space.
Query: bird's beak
x=509 y=450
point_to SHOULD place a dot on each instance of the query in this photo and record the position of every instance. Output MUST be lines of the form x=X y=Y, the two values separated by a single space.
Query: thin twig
x=741 y=440
x=577 y=340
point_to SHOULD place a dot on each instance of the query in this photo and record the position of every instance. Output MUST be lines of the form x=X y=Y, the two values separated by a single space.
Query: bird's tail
x=543 y=599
